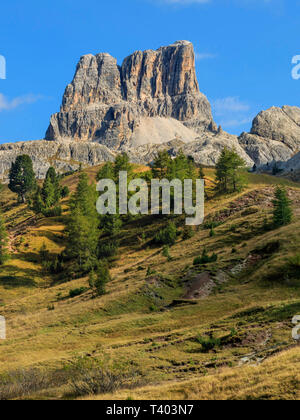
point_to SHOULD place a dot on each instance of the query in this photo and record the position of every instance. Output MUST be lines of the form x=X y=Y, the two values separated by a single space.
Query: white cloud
x=8 y=105
x=230 y=104
x=204 y=56
x=231 y=112
x=235 y=122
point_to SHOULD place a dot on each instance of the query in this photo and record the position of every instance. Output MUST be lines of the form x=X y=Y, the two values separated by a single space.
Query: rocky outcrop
x=274 y=137
x=64 y=157
x=205 y=150
x=115 y=106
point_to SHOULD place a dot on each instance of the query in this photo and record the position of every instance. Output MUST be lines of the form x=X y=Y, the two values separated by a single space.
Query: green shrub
x=53 y=212
x=167 y=236
x=65 y=192
x=107 y=250
x=166 y=253
x=188 y=233
x=205 y=258
x=209 y=343
x=99 y=278
x=77 y=292
x=211 y=224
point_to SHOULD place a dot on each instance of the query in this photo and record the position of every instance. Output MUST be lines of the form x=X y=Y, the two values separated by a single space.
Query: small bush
x=167 y=236
x=108 y=250
x=21 y=383
x=188 y=233
x=77 y=292
x=208 y=343
x=205 y=258
x=211 y=224
x=98 y=279
x=101 y=381
x=53 y=212
x=166 y=253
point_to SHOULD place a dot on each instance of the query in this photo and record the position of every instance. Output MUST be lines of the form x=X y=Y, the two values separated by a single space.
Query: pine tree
x=99 y=279
x=106 y=172
x=111 y=224
x=161 y=165
x=228 y=171
x=4 y=254
x=122 y=164
x=21 y=177
x=38 y=204
x=83 y=226
x=51 y=189
x=236 y=177
x=48 y=193
x=85 y=198
x=283 y=213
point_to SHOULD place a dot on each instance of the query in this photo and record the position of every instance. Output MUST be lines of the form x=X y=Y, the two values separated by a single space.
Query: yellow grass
x=49 y=330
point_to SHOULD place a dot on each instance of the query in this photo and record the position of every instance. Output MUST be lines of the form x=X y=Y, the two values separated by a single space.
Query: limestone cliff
x=152 y=91
x=275 y=135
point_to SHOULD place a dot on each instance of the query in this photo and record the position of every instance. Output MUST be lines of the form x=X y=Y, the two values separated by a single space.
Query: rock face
x=115 y=106
x=275 y=135
x=64 y=157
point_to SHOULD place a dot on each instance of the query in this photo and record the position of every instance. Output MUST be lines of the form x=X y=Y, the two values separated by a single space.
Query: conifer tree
x=48 y=193
x=55 y=189
x=98 y=279
x=228 y=171
x=122 y=163
x=106 y=172
x=38 y=205
x=21 y=177
x=162 y=164
x=83 y=226
x=283 y=213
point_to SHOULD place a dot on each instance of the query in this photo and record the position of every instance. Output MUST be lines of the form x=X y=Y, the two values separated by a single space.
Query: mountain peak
x=108 y=103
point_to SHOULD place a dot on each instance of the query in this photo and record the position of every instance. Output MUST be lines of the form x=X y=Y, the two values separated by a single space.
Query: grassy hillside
x=166 y=328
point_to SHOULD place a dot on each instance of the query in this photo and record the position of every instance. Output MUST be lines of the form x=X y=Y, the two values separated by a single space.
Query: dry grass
x=132 y=325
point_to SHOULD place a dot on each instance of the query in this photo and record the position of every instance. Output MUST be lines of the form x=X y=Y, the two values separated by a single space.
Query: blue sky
x=244 y=50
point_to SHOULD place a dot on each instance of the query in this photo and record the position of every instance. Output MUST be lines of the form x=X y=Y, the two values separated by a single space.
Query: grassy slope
x=131 y=327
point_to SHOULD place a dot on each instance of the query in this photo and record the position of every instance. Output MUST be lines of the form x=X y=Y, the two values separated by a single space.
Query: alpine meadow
x=149 y=239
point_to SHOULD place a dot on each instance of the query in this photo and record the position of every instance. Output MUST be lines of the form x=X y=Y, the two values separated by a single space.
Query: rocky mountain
x=274 y=137
x=150 y=102
x=153 y=97
x=64 y=157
